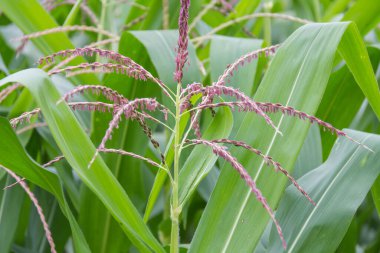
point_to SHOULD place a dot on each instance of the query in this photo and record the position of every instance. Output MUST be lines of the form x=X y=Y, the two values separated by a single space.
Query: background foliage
x=327 y=65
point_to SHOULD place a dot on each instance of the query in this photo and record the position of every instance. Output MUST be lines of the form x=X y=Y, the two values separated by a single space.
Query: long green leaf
x=334 y=8
x=338 y=187
x=297 y=77
x=353 y=50
x=220 y=58
x=78 y=150
x=342 y=98
x=310 y=155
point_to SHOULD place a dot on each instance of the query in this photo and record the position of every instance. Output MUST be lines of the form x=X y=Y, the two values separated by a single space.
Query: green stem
x=267 y=23
x=175 y=207
x=102 y=21
x=73 y=13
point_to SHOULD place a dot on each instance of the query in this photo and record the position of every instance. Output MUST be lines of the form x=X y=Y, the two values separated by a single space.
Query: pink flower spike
x=183 y=40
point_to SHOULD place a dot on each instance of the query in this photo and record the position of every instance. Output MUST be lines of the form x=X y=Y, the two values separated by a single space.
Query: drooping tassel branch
x=106 y=67
x=50 y=163
x=286 y=110
x=268 y=160
x=91 y=51
x=127 y=67
x=148 y=132
x=34 y=200
x=122 y=152
x=7 y=91
x=67 y=60
x=129 y=111
x=134 y=155
x=194 y=122
x=84 y=106
x=24 y=117
x=223 y=153
x=190 y=89
x=31 y=126
x=217 y=90
x=247 y=58
x=109 y=93
x=24 y=39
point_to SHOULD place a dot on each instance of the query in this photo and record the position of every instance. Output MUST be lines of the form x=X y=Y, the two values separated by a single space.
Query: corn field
x=189 y=126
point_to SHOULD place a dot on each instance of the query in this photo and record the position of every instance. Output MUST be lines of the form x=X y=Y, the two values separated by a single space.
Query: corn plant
x=203 y=123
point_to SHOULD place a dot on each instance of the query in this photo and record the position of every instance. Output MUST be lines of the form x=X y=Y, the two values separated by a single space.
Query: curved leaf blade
x=338 y=187
x=228 y=218
x=78 y=150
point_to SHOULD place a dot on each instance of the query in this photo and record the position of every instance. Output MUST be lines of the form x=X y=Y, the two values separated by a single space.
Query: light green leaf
x=78 y=151
x=161 y=46
x=338 y=187
x=310 y=155
x=297 y=77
